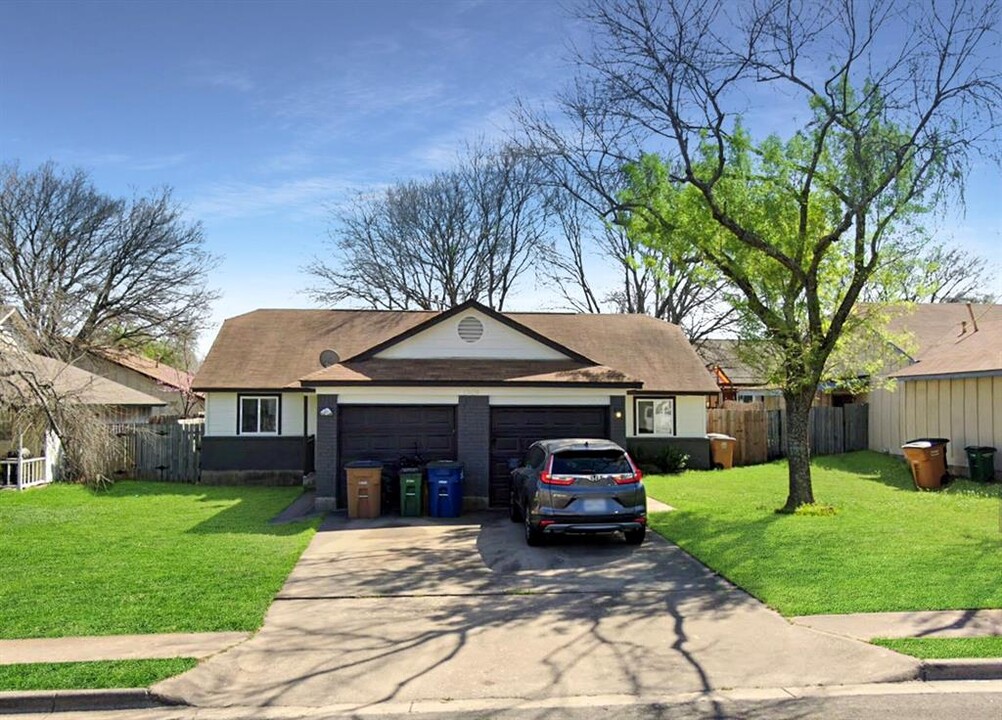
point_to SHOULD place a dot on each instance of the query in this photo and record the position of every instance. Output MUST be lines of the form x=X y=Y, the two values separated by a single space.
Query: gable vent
x=470 y=329
x=329 y=357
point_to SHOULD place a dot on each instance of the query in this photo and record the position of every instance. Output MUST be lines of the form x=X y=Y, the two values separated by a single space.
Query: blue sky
x=262 y=115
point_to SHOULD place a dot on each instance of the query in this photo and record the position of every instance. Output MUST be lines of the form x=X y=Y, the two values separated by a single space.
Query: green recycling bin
x=410 y=492
x=981 y=462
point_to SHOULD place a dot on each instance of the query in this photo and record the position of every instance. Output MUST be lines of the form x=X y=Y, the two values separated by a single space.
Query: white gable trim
x=498 y=342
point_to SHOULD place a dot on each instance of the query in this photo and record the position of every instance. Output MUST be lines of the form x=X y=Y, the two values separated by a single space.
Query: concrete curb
x=962 y=669
x=42 y=701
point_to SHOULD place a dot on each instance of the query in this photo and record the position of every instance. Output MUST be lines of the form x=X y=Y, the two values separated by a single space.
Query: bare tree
x=938 y=273
x=469 y=233
x=899 y=97
x=584 y=154
x=89 y=268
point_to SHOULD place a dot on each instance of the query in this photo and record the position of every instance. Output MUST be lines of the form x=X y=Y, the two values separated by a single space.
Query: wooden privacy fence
x=748 y=426
x=761 y=434
x=168 y=452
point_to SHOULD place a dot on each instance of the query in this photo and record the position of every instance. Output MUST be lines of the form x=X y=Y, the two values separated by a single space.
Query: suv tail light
x=636 y=477
x=548 y=478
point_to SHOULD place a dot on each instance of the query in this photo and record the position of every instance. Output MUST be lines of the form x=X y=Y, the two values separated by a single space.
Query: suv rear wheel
x=533 y=535
x=635 y=537
x=514 y=513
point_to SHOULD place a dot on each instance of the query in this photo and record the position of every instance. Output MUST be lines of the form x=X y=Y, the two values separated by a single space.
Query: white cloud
x=310 y=196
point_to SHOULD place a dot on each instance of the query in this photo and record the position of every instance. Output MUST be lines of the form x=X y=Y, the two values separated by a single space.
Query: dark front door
x=514 y=429
x=390 y=433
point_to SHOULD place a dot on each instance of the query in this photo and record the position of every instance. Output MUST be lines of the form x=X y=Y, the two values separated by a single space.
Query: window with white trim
x=655 y=416
x=258 y=415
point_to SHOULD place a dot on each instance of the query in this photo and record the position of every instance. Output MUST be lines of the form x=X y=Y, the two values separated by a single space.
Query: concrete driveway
x=390 y=611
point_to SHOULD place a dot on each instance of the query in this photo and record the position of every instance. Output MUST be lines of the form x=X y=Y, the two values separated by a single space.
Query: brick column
x=326 y=453
x=473 y=445
x=617 y=426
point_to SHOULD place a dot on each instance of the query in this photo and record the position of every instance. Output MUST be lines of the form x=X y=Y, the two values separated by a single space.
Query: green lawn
x=142 y=558
x=887 y=547
x=938 y=648
x=91 y=675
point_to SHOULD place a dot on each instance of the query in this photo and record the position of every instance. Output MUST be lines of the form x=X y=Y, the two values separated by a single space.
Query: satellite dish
x=329 y=357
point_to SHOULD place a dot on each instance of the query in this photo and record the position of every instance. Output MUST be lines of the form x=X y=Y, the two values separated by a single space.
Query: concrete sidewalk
x=117 y=647
x=918 y=624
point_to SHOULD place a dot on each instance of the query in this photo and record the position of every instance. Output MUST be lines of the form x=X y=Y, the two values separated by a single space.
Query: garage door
x=514 y=429
x=391 y=432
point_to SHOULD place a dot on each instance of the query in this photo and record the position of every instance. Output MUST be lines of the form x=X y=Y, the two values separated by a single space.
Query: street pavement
x=383 y=612
x=969 y=700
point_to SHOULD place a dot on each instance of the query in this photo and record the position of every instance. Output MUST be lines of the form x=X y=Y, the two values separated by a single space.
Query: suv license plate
x=593 y=505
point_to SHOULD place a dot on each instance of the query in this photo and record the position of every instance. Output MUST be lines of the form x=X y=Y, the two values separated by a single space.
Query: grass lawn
x=887 y=548
x=91 y=675
x=142 y=557
x=936 y=648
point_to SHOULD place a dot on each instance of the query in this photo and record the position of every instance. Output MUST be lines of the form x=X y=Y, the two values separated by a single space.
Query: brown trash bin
x=722 y=450
x=364 y=488
x=927 y=459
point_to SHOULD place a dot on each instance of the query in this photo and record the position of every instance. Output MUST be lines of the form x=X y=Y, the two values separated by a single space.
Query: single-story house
x=737 y=379
x=948 y=385
x=152 y=377
x=293 y=391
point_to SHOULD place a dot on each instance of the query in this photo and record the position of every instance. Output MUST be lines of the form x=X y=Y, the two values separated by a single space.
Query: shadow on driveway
x=396 y=610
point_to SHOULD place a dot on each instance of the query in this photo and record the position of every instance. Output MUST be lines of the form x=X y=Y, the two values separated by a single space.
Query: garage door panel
x=514 y=429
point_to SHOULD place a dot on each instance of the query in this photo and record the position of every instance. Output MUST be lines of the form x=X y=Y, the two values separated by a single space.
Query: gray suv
x=578 y=486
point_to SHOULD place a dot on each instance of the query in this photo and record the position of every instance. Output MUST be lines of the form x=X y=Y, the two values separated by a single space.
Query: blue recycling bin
x=445 y=488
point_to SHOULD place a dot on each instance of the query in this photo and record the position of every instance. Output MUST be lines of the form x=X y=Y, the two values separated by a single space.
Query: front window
x=259 y=415
x=655 y=416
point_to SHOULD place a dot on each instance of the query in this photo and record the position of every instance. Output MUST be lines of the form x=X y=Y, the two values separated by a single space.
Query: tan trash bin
x=927 y=459
x=364 y=488
x=722 y=450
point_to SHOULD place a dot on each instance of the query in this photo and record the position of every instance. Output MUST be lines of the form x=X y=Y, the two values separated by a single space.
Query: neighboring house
x=152 y=377
x=113 y=401
x=949 y=384
x=737 y=380
x=470 y=384
x=740 y=381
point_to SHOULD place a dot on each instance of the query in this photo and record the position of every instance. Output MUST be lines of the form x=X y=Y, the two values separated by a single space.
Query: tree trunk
x=798 y=452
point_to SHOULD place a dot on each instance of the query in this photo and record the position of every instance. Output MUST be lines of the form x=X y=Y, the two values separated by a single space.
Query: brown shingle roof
x=726 y=353
x=277 y=348
x=930 y=325
x=955 y=352
x=451 y=371
x=76 y=385
x=161 y=372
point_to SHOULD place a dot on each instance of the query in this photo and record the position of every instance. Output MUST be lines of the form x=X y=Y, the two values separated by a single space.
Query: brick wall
x=326 y=453
x=473 y=447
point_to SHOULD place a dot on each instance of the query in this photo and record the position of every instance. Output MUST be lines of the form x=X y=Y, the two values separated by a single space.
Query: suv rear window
x=591 y=462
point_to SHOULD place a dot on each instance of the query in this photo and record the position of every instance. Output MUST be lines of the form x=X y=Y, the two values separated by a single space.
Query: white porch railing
x=23 y=472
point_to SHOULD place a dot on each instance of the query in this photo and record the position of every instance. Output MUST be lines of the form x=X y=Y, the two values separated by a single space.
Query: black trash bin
x=981 y=462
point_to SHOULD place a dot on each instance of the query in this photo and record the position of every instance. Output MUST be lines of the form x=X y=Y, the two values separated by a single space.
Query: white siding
x=968 y=411
x=220 y=413
x=555 y=397
x=311 y=415
x=292 y=413
x=450 y=395
x=690 y=416
x=498 y=342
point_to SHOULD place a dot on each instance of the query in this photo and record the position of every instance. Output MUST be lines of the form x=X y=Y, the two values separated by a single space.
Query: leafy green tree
x=897 y=98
